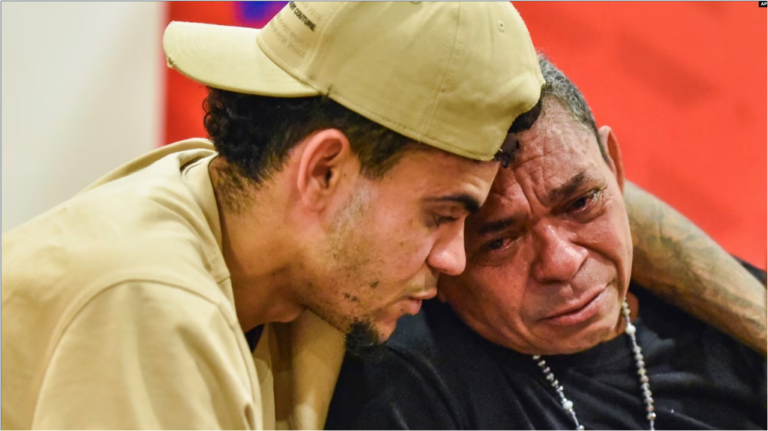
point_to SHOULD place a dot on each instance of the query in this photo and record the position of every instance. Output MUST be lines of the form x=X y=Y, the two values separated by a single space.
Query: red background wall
x=683 y=85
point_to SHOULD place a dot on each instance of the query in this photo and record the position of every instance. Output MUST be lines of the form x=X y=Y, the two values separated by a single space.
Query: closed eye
x=440 y=220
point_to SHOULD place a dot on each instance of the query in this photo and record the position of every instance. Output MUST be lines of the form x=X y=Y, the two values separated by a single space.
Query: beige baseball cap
x=452 y=75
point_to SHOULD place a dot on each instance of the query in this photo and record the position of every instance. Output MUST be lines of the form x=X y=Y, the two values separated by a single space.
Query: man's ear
x=325 y=155
x=611 y=146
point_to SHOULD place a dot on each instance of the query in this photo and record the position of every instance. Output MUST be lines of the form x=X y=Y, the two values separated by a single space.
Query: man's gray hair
x=559 y=87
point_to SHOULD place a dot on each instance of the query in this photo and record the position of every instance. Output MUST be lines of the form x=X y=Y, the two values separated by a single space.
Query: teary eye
x=583 y=202
x=580 y=203
x=495 y=244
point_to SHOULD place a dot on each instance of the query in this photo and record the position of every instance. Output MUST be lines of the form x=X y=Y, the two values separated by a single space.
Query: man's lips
x=579 y=312
x=413 y=302
x=424 y=295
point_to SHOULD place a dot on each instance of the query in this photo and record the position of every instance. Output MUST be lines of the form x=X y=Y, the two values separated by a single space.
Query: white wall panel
x=81 y=94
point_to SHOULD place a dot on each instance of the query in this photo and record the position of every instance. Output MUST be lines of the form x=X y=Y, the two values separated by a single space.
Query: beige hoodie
x=118 y=312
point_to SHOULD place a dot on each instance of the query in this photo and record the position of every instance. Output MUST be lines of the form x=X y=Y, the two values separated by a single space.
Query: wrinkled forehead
x=555 y=150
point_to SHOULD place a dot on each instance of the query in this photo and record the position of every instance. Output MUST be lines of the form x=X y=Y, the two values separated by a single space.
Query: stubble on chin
x=364 y=342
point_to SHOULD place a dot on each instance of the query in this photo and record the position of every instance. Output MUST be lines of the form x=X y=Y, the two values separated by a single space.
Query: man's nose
x=557 y=258
x=447 y=255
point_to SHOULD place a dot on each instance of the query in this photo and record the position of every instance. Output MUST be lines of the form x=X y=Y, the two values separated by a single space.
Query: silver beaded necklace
x=644 y=385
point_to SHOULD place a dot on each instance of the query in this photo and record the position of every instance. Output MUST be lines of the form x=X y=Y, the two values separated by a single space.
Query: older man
x=544 y=329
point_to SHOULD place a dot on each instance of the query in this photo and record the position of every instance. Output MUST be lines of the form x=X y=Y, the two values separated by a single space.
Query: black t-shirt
x=439 y=374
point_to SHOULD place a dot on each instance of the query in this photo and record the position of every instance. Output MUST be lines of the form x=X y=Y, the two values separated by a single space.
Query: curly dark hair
x=256 y=133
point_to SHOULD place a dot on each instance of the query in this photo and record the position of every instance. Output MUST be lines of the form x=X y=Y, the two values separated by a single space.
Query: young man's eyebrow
x=470 y=204
x=496 y=226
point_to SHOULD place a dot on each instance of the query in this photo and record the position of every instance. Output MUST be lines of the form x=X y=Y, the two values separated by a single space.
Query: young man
x=352 y=139
x=535 y=333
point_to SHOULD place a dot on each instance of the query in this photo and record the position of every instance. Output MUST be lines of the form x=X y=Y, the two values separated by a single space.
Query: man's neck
x=257 y=250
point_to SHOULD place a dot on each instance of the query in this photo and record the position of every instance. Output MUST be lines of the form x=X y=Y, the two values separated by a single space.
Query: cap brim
x=228 y=58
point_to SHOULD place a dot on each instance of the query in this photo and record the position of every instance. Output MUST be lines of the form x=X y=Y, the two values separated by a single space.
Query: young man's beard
x=363 y=341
